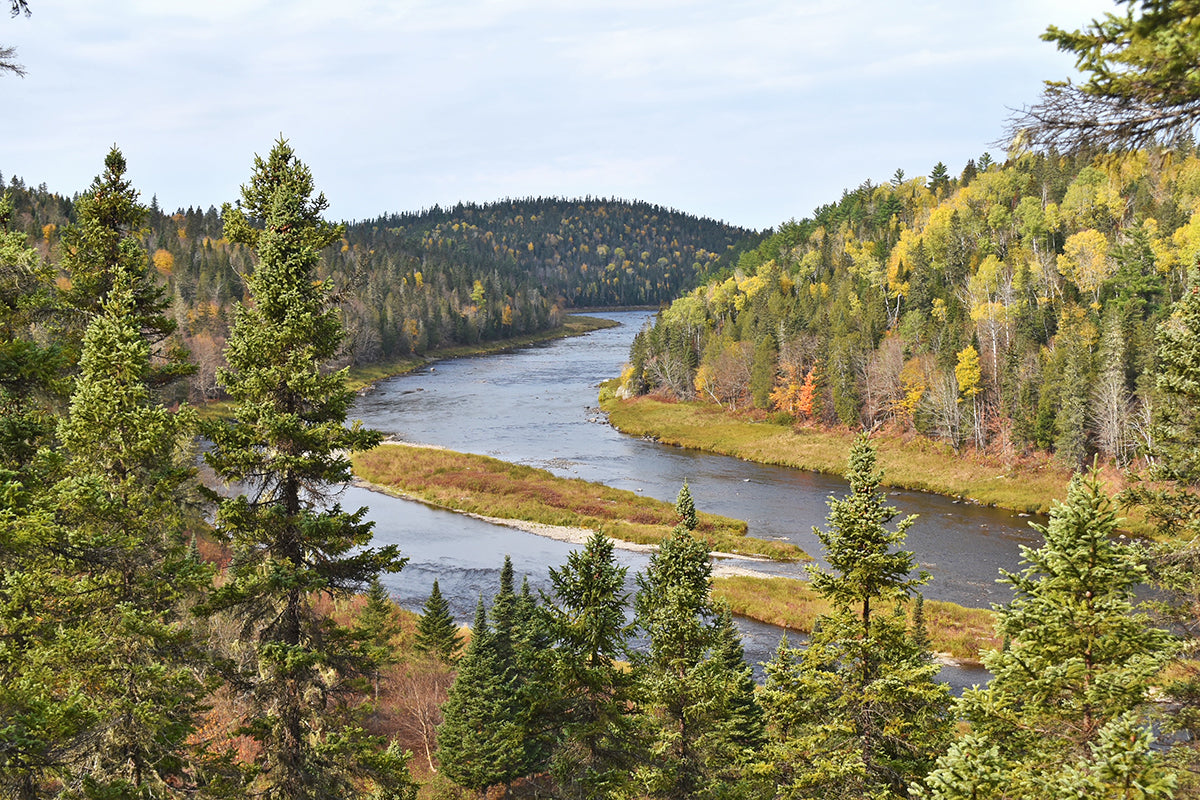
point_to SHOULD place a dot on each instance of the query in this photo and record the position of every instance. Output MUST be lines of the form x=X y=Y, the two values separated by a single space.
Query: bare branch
x=7 y=62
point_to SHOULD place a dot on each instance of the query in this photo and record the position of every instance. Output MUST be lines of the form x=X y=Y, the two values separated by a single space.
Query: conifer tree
x=29 y=368
x=1060 y=716
x=378 y=627
x=102 y=244
x=287 y=449
x=480 y=741
x=685 y=508
x=126 y=458
x=437 y=635
x=684 y=681
x=859 y=712
x=595 y=743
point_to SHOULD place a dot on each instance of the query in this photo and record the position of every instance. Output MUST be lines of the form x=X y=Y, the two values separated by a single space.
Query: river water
x=538 y=406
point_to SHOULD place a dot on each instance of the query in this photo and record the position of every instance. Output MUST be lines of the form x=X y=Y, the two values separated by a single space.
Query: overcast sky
x=752 y=112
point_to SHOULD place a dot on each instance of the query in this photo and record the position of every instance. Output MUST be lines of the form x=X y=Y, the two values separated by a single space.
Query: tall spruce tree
x=103 y=243
x=1064 y=712
x=685 y=684
x=127 y=462
x=286 y=450
x=481 y=739
x=1168 y=490
x=594 y=747
x=437 y=635
x=859 y=712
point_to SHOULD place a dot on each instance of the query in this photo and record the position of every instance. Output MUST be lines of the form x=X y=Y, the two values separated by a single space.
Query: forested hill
x=1012 y=307
x=593 y=252
x=410 y=283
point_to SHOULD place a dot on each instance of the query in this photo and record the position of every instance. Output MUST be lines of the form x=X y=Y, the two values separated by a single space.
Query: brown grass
x=963 y=633
x=909 y=462
x=487 y=486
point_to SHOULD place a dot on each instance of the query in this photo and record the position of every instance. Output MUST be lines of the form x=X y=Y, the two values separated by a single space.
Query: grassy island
x=908 y=463
x=959 y=632
x=491 y=487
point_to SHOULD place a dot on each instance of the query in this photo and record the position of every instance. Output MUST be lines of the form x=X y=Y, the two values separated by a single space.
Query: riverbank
x=495 y=489
x=908 y=463
x=956 y=633
x=361 y=377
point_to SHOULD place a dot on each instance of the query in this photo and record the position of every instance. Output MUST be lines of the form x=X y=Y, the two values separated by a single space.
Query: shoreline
x=565 y=533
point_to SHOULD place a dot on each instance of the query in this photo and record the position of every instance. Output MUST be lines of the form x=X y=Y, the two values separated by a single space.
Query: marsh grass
x=487 y=486
x=908 y=463
x=963 y=633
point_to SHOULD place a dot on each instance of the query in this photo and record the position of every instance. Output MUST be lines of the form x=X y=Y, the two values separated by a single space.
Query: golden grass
x=909 y=463
x=482 y=485
x=963 y=633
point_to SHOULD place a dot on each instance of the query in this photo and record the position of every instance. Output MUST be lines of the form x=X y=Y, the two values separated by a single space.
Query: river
x=538 y=406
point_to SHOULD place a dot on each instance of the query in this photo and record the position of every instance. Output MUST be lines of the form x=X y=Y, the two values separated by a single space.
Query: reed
x=957 y=631
x=487 y=486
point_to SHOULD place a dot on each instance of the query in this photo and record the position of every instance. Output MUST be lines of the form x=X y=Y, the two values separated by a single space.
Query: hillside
x=411 y=283
x=1010 y=309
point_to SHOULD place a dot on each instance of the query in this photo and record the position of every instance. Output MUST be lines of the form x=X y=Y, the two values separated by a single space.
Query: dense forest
x=411 y=283
x=1011 y=308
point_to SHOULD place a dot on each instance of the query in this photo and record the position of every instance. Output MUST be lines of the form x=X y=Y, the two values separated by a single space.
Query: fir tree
x=437 y=635
x=587 y=623
x=859 y=711
x=1060 y=713
x=287 y=448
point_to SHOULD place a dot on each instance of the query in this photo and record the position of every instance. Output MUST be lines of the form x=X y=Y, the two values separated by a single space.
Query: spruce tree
x=437 y=635
x=685 y=508
x=122 y=505
x=684 y=681
x=103 y=243
x=1063 y=714
x=859 y=712
x=377 y=628
x=480 y=741
x=594 y=749
x=286 y=448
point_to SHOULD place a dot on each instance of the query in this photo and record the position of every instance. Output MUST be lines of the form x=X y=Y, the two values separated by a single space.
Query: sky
x=753 y=112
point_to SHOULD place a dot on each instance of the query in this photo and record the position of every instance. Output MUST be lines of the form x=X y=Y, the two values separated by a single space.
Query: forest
x=1011 y=309
x=168 y=636
x=408 y=284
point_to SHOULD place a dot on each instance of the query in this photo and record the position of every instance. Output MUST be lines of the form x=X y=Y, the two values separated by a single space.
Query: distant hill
x=412 y=282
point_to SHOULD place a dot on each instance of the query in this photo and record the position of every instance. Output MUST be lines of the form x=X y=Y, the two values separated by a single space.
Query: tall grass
x=909 y=463
x=491 y=487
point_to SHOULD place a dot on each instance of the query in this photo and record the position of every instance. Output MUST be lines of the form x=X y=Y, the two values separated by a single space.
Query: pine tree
x=595 y=745
x=437 y=635
x=286 y=447
x=1060 y=711
x=859 y=712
